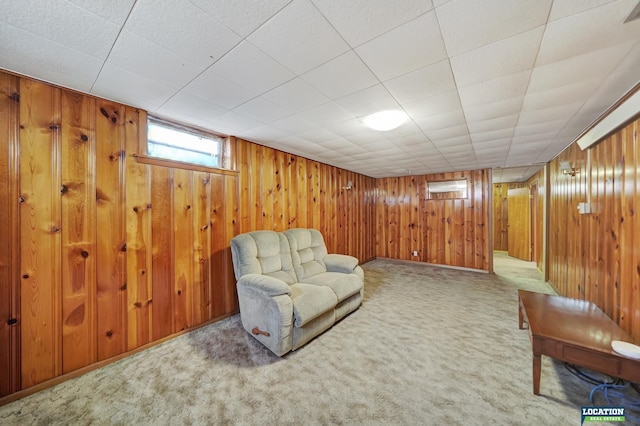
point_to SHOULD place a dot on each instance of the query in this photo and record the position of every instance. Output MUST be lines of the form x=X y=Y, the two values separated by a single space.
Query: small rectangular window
x=179 y=143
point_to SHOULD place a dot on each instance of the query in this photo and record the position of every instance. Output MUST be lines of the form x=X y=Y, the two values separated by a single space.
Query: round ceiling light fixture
x=385 y=120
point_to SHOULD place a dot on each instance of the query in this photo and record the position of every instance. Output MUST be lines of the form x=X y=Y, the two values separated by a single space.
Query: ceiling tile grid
x=496 y=84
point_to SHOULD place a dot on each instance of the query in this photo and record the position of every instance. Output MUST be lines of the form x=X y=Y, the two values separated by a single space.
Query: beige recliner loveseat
x=289 y=288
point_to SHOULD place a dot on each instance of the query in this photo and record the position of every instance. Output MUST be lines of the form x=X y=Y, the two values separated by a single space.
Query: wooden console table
x=574 y=331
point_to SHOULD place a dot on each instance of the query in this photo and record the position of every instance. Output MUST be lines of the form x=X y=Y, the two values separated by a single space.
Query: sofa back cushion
x=307 y=251
x=262 y=252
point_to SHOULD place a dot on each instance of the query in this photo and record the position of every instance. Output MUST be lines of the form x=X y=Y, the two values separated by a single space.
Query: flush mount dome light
x=385 y=120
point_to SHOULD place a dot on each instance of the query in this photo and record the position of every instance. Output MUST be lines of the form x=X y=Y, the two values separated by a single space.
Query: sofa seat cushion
x=343 y=285
x=311 y=301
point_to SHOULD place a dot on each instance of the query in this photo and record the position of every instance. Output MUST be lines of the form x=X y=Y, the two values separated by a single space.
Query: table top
x=572 y=321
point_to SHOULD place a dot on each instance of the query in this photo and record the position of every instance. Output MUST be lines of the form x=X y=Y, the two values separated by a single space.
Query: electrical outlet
x=415 y=253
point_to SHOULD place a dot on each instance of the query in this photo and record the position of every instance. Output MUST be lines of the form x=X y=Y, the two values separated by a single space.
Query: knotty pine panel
x=201 y=289
x=446 y=232
x=162 y=264
x=183 y=243
x=279 y=191
x=595 y=256
x=218 y=245
x=139 y=255
x=79 y=342
x=9 y=244
x=111 y=293
x=500 y=217
x=40 y=226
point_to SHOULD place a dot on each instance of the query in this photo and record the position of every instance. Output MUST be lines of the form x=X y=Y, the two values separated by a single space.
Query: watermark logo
x=602 y=414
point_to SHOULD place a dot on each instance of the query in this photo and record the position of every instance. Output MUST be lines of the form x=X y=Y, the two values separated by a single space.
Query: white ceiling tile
x=493 y=124
x=507 y=56
x=235 y=122
x=296 y=95
x=407 y=48
x=422 y=83
x=318 y=135
x=451 y=132
x=370 y=138
x=595 y=29
x=367 y=101
x=562 y=111
x=63 y=23
x=341 y=76
x=447 y=149
x=138 y=55
x=263 y=134
x=25 y=52
x=241 y=16
x=326 y=114
x=347 y=127
x=493 y=110
x=567 y=94
x=294 y=124
x=435 y=105
x=563 y=8
x=441 y=121
x=600 y=64
x=299 y=37
x=248 y=67
x=180 y=27
x=219 y=90
x=262 y=110
x=542 y=139
x=493 y=145
x=127 y=87
x=186 y=108
x=496 y=135
x=500 y=89
x=469 y=25
x=539 y=127
x=361 y=20
x=115 y=11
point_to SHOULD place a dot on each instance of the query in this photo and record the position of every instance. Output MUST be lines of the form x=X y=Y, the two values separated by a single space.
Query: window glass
x=175 y=143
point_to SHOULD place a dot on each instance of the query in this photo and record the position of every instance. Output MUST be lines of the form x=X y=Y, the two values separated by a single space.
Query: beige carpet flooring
x=429 y=346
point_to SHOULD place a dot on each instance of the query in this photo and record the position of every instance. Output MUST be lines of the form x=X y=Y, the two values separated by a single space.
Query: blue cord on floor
x=610 y=389
x=621 y=400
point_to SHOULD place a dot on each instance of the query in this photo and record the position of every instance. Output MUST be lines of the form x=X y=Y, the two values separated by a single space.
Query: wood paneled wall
x=279 y=191
x=9 y=243
x=447 y=232
x=596 y=256
x=500 y=217
x=105 y=253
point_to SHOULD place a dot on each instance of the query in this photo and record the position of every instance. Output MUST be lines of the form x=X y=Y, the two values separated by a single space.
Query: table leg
x=520 y=316
x=537 y=367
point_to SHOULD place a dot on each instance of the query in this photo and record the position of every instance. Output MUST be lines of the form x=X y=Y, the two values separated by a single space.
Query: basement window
x=183 y=144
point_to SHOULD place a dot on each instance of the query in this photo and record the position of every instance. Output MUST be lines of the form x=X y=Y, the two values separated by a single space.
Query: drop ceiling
x=503 y=84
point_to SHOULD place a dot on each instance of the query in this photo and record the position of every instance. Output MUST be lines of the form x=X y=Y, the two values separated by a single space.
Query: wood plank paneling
x=79 y=342
x=283 y=191
x=116 y=253
x=9 y=244
x=595 y=256
x=139 y=256
x=111 y=294
x=218 y=245
x=454 y=232
x=162 y=263
x=40 y=226
x=183 y=244
x=500 y=217
x=201 y=248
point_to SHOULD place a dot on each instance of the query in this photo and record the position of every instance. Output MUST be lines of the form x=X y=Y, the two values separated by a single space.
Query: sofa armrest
x=340 y=263
x=265 y=284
